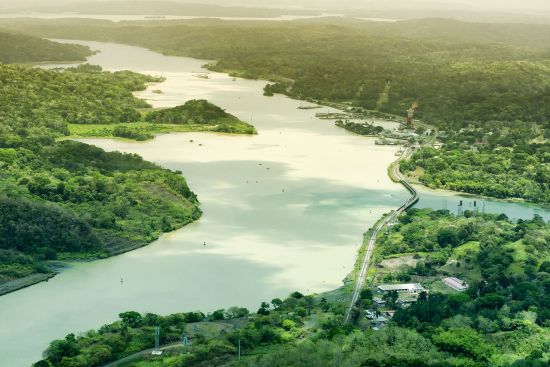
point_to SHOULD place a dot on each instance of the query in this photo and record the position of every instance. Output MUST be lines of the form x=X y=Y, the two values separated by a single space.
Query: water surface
x=284 y=210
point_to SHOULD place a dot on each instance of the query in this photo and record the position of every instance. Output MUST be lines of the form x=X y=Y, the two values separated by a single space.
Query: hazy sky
x=497 y=5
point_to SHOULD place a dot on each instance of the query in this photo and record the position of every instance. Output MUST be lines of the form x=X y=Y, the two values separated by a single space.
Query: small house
x=402 y=288
x=456 y=284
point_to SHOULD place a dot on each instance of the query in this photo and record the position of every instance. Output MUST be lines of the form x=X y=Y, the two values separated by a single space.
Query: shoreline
x=59 y=265
x=21 y=283
x=29 y=280
x=422 y=187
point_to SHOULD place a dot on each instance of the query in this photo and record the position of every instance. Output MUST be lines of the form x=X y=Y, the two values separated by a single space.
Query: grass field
x=147 y=130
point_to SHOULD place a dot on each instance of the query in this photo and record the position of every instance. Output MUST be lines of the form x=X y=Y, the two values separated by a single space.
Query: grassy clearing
x=146 y=130
x=470 y=248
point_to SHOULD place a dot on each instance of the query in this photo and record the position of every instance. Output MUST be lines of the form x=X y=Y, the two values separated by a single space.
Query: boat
x=201 y=76
x=309 y=107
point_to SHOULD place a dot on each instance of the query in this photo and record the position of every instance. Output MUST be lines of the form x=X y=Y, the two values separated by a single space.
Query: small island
x=194 y=115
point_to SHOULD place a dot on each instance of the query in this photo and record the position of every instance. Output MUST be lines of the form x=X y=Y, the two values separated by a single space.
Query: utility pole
x=185 y=344
x=239 y=349
x=157 y=337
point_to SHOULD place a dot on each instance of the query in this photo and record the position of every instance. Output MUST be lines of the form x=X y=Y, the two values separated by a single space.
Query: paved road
x=141 y=354
x=372 y=240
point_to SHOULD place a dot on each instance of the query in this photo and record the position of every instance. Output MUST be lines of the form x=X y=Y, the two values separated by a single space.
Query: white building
x=402 y=288
x=456 y=284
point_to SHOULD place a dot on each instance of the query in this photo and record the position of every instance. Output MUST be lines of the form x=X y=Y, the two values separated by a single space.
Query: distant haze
x=498 y=5
x=483 y=10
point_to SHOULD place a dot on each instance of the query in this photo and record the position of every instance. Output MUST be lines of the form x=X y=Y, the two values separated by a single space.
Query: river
x=283 y=211
x=136 y=17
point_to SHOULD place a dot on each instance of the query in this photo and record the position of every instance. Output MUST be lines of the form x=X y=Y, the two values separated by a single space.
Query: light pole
x=185 y=342
x=157 y=337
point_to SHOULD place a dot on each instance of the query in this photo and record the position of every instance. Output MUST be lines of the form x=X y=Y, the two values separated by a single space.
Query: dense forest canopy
x=494 y=159
x=33 y=98
x=64 y=198
x=453 y=80
x=192 y=112
x=23 y=48
x=160 y=8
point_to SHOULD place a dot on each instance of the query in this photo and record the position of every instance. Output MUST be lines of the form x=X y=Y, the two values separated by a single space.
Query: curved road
x=141 y=354
x=372 y=240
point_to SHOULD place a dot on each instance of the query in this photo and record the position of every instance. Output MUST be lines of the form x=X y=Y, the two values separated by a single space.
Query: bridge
x=360 y=281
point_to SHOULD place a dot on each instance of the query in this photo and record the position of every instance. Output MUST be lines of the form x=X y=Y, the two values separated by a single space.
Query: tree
x=264 y=309
x=194 y=316
x=366 y=295
x=447 y=236
x=545 y=267
x=99 y=354
x=288 y=324
x=60 y=349
x=325 y=306
x=276 y=303
x=464 y=341
x=236 y=312
x=391 y=298
x=217 y=315
x=268 y=90
x=131 y=318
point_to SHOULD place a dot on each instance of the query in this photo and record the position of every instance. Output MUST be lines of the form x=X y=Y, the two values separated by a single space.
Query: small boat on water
x=201 y=76
x=308 y=107
x=158 y=91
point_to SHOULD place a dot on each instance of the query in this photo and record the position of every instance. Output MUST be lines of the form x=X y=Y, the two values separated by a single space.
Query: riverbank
x=145 y=131
x=56 y=267
x=20 y=283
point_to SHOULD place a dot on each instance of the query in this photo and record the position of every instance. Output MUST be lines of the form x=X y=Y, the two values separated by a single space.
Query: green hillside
x=70 y=200
x=20 y=48
x=454 y=80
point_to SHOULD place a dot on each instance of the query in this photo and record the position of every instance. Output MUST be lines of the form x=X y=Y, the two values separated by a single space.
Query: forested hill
x=64 y=199
x=454 y=80
x=20 y=48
